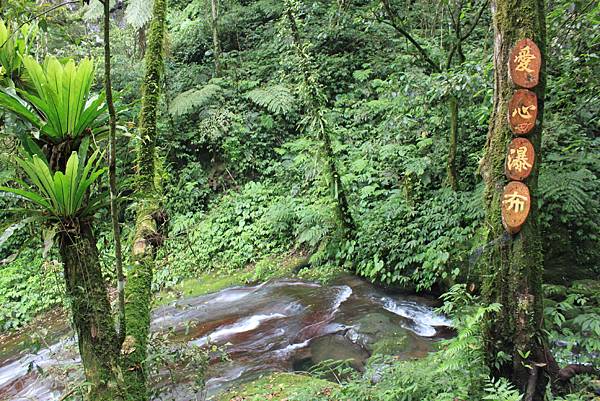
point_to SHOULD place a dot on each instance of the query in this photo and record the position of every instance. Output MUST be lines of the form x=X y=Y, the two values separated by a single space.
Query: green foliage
x=276 y=98
x=138 y=12
x=193 y=99
x=14 y=45
x=28 y=285
x=57 y=194
x=425 y=242
x=572 y=317
x=61 y=106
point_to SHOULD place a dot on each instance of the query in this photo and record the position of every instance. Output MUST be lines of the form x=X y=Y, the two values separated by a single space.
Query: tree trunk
x=315 y=102
x=92 y=318
x=215 y=31
x=513 y=277
x=112 y=175
x=453 y=142
x=139 y=280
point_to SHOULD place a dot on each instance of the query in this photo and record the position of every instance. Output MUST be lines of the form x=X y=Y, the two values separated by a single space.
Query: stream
x=280 y=325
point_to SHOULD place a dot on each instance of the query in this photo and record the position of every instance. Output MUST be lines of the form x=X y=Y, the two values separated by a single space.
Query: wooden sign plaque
x=519 y=160
x=525 y=63
x=522 y=111
x=516 y=203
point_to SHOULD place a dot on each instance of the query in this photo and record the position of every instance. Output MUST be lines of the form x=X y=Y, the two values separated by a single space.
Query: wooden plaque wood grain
x=520 y=159
x=516 y=203
x=522 y=111
x=525 y=63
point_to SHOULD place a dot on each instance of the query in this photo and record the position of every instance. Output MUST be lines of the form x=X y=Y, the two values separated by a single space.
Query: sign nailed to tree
x=525 y=63
x=520 y=159
x=515 y=206
x=522 y=111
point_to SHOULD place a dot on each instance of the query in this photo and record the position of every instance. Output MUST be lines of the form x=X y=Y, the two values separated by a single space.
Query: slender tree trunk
x=214 y=5
x=315 y=105
x=92 y=318
x=515 y=341
x=137 y=307
x=452 y=143
x=112 y=174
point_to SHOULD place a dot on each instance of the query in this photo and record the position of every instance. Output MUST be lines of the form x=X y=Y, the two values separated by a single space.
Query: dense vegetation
x=346 y=134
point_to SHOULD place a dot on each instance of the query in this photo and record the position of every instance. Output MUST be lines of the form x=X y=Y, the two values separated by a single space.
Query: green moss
x=206 y=283
x=213 y=281
x=281 y=386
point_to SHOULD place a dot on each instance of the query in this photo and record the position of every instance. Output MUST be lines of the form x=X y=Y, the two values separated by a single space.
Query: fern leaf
x=193 y=99
x=139 y=12
x=95 y=10
x=276 y=98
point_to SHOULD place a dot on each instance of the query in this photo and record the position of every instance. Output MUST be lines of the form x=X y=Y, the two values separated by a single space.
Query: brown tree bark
x=92 y=318
x=515 y=342
x=112 y=174
x=214 y=8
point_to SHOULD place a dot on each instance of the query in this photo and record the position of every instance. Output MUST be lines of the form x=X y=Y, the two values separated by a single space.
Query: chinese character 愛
x=523 y=59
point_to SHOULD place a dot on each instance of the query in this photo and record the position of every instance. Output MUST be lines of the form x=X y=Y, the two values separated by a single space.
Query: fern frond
x=192 y=99
x=276 y=98
x=95 y=10
x=138 y=12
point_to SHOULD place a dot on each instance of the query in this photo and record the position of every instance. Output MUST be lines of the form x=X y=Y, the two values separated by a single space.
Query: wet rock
x=392 y=345
x=339 y=348
x=374 y=327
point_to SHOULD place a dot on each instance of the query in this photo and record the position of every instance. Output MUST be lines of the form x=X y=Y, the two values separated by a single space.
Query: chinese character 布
x=523 y=111
x=523 y=59
x=517 y=159
x=515 y=201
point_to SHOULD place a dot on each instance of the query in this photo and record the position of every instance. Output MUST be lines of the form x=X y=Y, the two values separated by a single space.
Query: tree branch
x=393 y=22
x=36 y=16
x=475 y=22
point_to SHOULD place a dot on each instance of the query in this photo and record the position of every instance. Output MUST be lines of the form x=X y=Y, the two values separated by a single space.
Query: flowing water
x=281 y=325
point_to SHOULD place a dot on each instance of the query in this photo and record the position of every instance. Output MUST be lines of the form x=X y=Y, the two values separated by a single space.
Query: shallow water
x=280 y=325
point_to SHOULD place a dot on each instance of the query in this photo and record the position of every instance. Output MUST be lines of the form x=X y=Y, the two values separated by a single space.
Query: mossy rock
x=374 y=327
x=392 y=345
x=338 y=348
x=281 y=386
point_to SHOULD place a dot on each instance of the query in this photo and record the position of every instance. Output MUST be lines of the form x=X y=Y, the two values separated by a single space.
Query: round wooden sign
x=519 y=160
x=525 y=63
x=516 y=203
x=522 y=111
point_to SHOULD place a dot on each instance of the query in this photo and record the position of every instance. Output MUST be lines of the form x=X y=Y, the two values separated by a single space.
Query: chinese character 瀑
x=524 y=59
x=515 y=201
x=523 y=111
x=519 y=161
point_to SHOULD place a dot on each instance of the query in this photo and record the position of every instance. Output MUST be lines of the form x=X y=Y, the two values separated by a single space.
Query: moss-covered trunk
x=315 y=106
x=92 y=318
x=452 y=143
x=514 y=338
x=139 y=280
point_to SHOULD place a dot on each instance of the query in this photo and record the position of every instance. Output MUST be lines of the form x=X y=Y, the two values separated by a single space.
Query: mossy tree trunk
x=139 y=280
x=515 y=342
x=315 y=107
x=214 y=14
x=92 y=318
